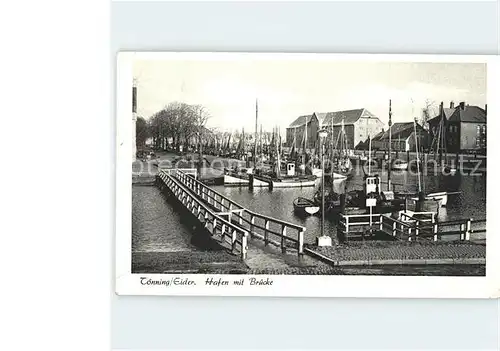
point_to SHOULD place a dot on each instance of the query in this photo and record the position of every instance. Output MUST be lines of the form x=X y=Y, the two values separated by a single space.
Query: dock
x=410 y=239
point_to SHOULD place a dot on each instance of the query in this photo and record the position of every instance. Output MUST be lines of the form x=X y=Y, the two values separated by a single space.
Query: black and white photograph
x=248 y=167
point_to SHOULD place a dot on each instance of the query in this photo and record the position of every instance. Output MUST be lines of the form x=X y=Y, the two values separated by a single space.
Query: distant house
x=402 y=137
x=296 y=131
x=465 y=127
x=359 y=124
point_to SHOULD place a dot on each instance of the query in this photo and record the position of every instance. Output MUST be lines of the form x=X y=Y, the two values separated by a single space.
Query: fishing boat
x=438 y=149
x=425 y=205
x=303 y=206
x=442 y=197
x=333 y=200
x=235 y=177
x=431 y=202
x=399 y=165
x=340 y=165
x=287 y=179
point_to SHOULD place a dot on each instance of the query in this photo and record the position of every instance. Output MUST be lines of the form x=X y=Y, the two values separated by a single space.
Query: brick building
x=465 y=127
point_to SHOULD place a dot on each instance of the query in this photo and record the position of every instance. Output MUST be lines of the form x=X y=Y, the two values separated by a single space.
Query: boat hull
x=400 y=167
x=293 y=183
x=236 y=180
x=428 y=205
x=305 y=207
x=233 y=180
x=443 y=196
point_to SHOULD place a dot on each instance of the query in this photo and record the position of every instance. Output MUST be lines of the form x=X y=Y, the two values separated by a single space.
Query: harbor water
x=156 y=226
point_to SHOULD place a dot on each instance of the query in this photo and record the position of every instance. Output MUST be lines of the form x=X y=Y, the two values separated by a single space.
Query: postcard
x=315 y=175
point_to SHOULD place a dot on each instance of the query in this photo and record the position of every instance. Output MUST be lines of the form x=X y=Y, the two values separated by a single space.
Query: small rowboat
x=304 y=206
x=399 y=165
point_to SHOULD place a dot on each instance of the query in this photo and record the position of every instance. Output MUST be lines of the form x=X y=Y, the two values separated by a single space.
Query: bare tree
x=200 y=116
x=178 y=121
x=428 y=112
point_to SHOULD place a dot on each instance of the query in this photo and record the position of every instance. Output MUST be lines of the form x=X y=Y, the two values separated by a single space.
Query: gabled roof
x=473 y=114
x=349 y=116
x=398 y=131
x=447 y=113
x=300 y=121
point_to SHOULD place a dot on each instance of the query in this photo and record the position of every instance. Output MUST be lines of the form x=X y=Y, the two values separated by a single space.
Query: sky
x=286 y=89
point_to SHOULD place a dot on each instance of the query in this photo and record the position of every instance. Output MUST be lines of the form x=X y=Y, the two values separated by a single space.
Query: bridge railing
x=229 y=233
x=426 y=226
x=173 y=171
x=460 y=227
x=273 y=231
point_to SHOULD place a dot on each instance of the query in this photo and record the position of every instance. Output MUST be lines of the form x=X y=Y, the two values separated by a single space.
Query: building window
x=478 y=130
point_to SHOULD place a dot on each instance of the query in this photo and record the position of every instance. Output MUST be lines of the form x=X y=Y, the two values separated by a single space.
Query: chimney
x=462 y=105
x=452 y=105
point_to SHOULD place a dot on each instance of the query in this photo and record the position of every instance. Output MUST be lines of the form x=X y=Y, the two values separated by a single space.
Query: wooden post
x=381 y=225
x=233 y=240
x=214 y=226
x=417 y=230
x=409 y=234
x=435 y=229
x=394 y=226
x=252 y=224
x=462 y=231
x=206 y=219
x=346 y=226
x=222 y=231
x=266 y=226
x=467 y=232
x=240 y=221
x=283 y=238
x=300 y=249
x=244 y=245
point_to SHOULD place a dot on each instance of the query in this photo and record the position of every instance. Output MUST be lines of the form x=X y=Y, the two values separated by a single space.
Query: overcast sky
x=288 y=89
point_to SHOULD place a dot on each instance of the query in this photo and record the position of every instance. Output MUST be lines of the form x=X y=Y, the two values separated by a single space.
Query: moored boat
x=303 y=206
x=399 y=165
x=439 y=196
x=425 y=205
x=235 y=180
x=295 y=182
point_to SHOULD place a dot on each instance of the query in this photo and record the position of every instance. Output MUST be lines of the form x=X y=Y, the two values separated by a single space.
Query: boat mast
x=255 y=143
x=304 y=151
x=390 y=148
x=369 y=154
x=416 y=149
x=441 y=133
x=260 y=142
x=278 y=158
x=294 y=139
x=332 y=148
x=343 y=150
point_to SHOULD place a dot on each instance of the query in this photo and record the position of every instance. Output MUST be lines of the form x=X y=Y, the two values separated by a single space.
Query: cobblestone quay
x=375 y=253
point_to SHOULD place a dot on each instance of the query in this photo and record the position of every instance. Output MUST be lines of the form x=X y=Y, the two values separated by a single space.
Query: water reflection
x=470 y=202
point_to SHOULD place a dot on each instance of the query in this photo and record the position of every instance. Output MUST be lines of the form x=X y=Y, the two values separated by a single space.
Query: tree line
x=178 y=121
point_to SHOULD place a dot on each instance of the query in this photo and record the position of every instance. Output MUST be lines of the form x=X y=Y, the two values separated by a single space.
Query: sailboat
x=438 y=147
x=397 y=164
x=421 y=202
x=340 y=166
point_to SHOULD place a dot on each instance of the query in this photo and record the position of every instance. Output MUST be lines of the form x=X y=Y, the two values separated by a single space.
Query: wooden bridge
x=409 y=226
x=228 y=222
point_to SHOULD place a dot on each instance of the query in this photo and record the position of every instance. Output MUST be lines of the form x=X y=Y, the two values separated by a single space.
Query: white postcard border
x=127 y=283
